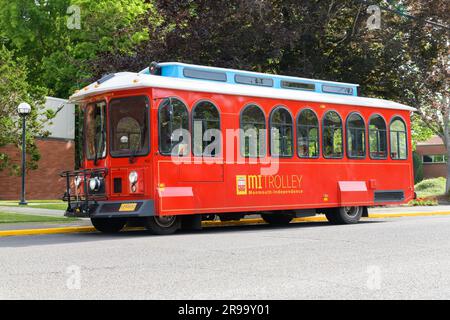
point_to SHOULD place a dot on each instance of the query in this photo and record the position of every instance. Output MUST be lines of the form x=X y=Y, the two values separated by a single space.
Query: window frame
x=342 y=133
x=319 y=131
x=385 y=133
x=110 y=131
x=393 y=119
x=195 y=105
x=159 y=132
x=292 y=131
x=347 y=150
x=432 y=157
x=85 y=156
x=252 y=104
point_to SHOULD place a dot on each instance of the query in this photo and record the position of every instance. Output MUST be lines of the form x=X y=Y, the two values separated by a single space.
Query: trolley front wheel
x=108 y=225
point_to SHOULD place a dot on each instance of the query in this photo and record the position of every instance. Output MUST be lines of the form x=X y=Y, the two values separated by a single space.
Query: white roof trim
x=129 y=80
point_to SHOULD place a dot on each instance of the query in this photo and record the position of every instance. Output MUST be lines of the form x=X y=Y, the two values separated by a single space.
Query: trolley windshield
x=129 y=126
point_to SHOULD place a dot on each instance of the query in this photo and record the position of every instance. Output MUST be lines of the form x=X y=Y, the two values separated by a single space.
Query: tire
x=277 y=219
x=344 y=215
x=108 y=225
x=163 y=225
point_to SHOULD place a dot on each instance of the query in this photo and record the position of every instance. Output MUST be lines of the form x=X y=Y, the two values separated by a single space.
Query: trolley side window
x=129 y=126
x=253 y=132
x=377 y=138
x=307 y=134
x=281 y=133
x=356 y=136
x=174 y=137
x=332 y=135
x=206 y=135
x=95 y=132
x=399 y=150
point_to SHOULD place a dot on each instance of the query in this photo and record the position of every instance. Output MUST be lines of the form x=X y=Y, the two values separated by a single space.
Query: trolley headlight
x=94 y=184
x=133 y=177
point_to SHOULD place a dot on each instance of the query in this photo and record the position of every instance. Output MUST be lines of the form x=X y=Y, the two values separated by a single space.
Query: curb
x=30 y=232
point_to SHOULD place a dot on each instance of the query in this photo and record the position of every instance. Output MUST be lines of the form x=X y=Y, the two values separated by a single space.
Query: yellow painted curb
x=29 y=232
x=411 y=214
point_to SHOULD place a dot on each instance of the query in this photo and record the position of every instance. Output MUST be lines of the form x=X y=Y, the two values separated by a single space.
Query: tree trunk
x=447 y=145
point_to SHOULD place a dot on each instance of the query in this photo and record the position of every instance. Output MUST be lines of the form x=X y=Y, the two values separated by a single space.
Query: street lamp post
x=23 y=109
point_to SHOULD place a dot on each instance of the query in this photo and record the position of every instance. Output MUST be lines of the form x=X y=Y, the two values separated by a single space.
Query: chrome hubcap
x=352 y=211
x=165 y=221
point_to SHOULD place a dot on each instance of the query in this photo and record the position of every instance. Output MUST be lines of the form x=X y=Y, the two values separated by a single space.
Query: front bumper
x=110 y=209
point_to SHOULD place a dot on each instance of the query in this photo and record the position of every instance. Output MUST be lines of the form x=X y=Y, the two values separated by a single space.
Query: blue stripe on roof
x=176 y=70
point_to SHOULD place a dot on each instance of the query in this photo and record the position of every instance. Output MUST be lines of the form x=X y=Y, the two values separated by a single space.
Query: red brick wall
x=44 y=182
x=433 y=170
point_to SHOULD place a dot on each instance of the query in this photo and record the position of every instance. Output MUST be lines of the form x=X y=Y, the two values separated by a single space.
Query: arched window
x=398 y=139
x=332 y=135
x=377 y=138
x=281 y=134
x=253 y=132
x=173 y=118
x=206 y=129
x=356 y=136
x=307 y=134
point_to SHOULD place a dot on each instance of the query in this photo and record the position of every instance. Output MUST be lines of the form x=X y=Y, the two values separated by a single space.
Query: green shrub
x=430 y=187
x=418 y=167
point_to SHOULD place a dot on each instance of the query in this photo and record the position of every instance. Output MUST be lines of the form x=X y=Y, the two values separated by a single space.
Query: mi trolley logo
x=268 y=184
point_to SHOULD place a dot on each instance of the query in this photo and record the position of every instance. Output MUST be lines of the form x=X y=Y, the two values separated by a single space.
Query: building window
x=377 y=138
x=435 y=158
x=307 y=134
x=356 y=137
x=332 y=135
x=206 y=130
x=281 y=134
x=398 y=139
x=253 y=132
x=173 y=124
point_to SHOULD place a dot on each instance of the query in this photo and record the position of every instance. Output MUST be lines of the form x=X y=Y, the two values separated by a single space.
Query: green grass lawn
x=430 y=188
x=8 y=217
x=40 y=204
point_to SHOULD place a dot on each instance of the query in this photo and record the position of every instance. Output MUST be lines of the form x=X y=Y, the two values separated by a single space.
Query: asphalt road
x=397 y=258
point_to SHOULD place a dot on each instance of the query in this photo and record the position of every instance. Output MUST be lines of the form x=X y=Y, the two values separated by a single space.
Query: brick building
x=57 y=154
x=434 y=157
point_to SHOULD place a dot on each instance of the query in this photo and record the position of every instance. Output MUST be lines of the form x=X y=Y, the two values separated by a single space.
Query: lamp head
x=24 y=109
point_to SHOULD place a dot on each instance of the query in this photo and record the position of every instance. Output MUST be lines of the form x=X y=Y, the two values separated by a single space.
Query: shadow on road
x=55 y=239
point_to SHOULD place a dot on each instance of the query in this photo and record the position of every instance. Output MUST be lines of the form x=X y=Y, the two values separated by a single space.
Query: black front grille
x=117 y=185
x=389 y=196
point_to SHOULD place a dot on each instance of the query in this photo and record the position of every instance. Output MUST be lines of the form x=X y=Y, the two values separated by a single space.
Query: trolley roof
x=172 y=76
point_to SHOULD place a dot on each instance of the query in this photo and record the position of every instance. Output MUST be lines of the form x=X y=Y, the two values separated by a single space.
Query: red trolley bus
x=176 y=144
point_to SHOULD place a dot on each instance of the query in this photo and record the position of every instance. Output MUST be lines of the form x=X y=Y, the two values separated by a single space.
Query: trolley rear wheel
x=277 y=218
x=344 y=215
x=108 y=225
x=162 y=225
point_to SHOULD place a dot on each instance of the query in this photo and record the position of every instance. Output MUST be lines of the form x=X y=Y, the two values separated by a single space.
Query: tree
x=14 y=89
x=58 y=56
